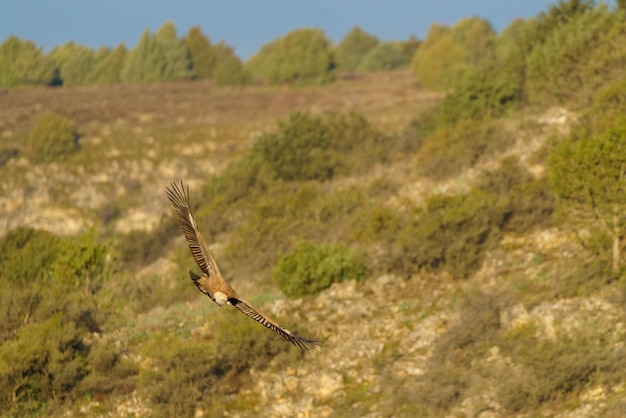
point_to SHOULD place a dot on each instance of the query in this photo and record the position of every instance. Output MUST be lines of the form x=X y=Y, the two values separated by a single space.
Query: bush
x=553 y=369
x=481 y=93
x=311 y=268
x=529 y=202
x=35 y=255
x=299 y=150
x=52 y=139
x=181 y=384
x=452 y=149
x=452 y=235
x=309 y=147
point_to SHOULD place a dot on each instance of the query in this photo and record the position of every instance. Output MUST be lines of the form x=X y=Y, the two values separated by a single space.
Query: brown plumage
x=212 y=283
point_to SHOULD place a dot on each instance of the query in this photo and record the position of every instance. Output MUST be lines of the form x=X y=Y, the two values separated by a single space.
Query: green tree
x=353 y=48
x=173 y=57
x=140 y=60
x=22 y=63
x=230 y=72
x=558 y=14
x=439 y=63
x=476 y=38
x=158 y=58
x=74 y=62
x=259 y=65
x=447 y=53
x=589 y=179
x=302 y=57
x=202 y=55
x=109 y=64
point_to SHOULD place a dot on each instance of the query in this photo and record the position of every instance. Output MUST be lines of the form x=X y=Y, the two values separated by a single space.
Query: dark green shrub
x=484 y=92
x=502 y=180
x=35 y=255
x=299 y=150
x=194 y=373
x=452 y=149
x=52 y=139
x=311 y=268
x=587 y=177
x=309 y=147
x=555 y=369
x=28 y=254
x=182 y=381
x=530 y=205
x=110 y=371
x=529 y=202
x=608 y=106
x=453 y=234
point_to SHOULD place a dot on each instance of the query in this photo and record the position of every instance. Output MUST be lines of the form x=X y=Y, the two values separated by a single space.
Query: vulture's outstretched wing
x=179 y=197
x=249 y=310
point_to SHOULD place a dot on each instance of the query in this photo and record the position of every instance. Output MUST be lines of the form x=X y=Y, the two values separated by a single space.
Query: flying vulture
x=212 y=283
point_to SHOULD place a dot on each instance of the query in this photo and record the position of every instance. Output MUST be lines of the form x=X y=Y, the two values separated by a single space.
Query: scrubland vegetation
x=317 y=189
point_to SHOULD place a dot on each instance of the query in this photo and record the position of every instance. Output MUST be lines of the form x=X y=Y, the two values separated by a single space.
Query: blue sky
x=243 y=24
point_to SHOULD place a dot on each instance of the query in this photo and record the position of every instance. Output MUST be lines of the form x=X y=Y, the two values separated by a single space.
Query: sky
x=243 y=24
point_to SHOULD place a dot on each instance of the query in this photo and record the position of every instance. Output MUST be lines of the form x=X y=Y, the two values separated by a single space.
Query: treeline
x=304 y=56
x=161 y=56
x=541 y=54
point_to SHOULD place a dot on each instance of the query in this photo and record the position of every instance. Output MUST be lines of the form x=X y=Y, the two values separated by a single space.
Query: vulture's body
x=212 y=283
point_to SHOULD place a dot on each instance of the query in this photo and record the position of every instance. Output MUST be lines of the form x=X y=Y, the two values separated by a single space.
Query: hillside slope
x=529 y=332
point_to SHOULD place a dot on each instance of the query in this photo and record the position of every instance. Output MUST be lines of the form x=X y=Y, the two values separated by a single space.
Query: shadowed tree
x=589 y=180
x=202 y=55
